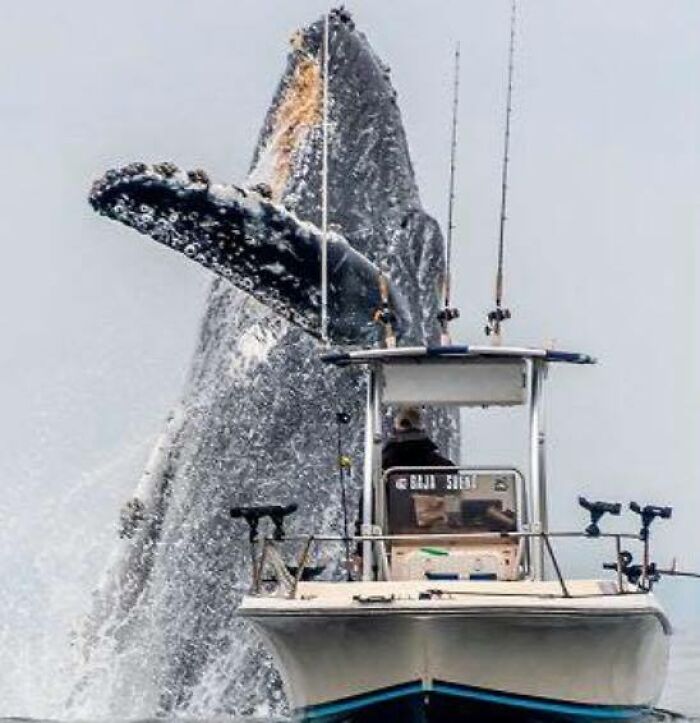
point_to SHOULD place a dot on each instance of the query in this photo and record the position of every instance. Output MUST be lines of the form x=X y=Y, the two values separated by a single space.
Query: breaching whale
x=163 y=635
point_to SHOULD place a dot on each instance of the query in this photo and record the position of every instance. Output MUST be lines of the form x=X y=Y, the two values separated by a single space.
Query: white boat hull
x=585 y=657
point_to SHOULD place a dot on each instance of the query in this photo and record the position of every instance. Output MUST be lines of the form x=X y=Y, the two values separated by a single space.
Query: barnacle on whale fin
x=199 y=176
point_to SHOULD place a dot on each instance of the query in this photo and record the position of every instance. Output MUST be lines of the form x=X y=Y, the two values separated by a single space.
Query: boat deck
x=590 y=596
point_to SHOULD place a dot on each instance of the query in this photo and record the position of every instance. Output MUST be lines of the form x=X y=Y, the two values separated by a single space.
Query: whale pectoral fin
x=261 y=247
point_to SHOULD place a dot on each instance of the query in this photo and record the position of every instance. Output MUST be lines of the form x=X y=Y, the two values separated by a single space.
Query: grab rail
x=270 y=554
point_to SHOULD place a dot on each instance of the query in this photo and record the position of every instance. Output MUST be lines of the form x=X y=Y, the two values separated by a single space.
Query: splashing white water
x=57 y=543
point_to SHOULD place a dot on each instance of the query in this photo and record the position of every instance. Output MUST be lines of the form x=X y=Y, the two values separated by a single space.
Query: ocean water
x=682 y=691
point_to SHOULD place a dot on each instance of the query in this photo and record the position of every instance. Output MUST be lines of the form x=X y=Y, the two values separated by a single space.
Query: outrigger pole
x=324 y=190
x=448 y=314
x=500 y=314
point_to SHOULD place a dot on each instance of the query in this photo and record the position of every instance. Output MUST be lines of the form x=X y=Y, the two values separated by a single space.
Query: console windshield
x=449 y=503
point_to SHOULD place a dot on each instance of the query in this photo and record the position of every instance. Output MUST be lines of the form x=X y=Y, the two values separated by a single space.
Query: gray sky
x=99 y=323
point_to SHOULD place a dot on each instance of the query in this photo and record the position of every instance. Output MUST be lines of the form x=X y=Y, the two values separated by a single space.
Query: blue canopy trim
x=423 y=353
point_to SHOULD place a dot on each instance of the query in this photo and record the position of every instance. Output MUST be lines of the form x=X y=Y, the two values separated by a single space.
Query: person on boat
x=409 y=445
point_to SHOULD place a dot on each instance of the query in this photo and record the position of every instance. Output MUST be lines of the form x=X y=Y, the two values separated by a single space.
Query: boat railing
x=286 y=577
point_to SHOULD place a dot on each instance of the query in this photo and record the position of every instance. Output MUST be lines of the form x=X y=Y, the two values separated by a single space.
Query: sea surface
x=682 y=691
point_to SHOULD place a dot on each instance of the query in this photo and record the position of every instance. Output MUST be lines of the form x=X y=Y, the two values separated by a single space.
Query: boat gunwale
x=481 y=611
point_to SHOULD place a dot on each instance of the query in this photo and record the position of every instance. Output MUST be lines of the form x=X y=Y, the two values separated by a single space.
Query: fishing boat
x=462 y=610
x=451 y=603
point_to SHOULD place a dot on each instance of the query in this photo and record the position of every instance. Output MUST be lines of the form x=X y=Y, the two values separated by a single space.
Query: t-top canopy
x=471 y=376
x=437 y=354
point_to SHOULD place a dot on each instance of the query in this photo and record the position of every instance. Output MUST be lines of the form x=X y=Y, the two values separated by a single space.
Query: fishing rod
x=324 y=190
x=679 y=573
x=499 y=314
x=447 y=314
x=673 y=571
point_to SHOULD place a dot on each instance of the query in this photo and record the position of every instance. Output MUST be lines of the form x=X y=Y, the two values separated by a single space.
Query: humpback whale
x=163 y=635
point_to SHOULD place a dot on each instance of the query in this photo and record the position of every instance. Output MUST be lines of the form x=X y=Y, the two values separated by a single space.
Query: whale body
x=257 y=418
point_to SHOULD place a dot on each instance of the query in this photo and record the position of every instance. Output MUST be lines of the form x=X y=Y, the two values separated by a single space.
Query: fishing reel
x=444 y=317
x=447 y=314
x=597 y=510
x=635 y=574
x=384 y=315
x=254 y=513
x=495 y=318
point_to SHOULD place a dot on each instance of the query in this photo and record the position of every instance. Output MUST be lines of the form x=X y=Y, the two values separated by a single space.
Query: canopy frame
x=535 y=364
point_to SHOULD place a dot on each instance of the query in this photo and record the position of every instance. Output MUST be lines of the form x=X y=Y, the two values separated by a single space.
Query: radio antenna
x=324 y=190
x=447 y=314
x=500 y=314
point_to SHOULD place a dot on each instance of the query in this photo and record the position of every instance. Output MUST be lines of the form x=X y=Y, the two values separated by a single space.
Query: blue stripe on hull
x=452 y=703
x=576 y=710
x=322 y=712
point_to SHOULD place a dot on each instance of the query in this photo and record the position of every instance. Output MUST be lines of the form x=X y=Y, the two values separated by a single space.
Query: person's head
x=407 y=419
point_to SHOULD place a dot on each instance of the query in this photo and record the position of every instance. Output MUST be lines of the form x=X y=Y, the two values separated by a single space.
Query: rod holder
x=597 y=509
x=648 y=514
x=254 y=513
